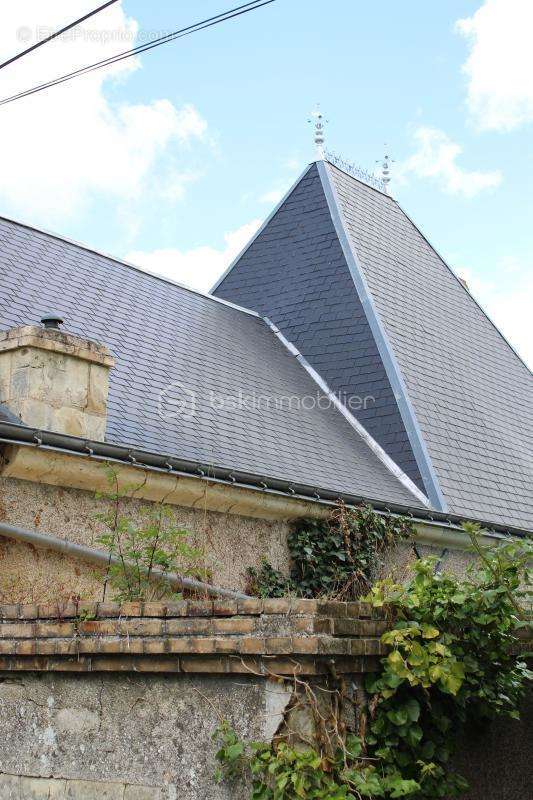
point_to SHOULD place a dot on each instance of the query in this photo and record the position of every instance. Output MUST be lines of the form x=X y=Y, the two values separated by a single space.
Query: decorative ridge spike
x=319 y=123
x=385 y=170
x=356 y=172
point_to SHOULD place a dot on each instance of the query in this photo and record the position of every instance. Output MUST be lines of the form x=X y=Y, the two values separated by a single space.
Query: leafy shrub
x=451 y=661
x=145 y=550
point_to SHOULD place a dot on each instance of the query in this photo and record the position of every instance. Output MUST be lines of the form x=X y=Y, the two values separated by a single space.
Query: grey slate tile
x=286 y=275
x=160 y=333
x=473 y=397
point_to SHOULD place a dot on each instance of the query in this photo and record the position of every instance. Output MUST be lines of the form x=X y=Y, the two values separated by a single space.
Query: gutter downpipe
x=68 y=548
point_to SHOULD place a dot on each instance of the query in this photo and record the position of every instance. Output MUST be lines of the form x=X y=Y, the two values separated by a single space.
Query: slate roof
x=163 y=335
x=472 y=395
x=295 y=272
x=463 y=394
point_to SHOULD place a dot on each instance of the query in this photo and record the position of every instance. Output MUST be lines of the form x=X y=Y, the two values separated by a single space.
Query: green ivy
x=280 y=772
x=268 y=582
x=334 y=558
x=451 y=661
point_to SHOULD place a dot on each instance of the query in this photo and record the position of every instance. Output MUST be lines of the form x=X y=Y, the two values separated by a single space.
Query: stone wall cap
x=55 y=341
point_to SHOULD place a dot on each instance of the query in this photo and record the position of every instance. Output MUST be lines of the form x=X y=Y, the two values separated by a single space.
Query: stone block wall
x=117 y=736
x=54 y=380
x=100 y=701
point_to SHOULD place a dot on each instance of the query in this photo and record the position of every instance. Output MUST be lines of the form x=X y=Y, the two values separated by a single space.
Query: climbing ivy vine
x=335 y=558
x=451 y=661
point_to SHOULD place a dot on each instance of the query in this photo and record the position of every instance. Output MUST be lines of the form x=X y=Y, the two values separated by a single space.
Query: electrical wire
x=197 y=26
x=57 y=33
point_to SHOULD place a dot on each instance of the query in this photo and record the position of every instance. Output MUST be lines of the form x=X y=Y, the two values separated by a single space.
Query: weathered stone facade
x=28 y=574
x=120 y=702
x=56 y=380
x=122 y=736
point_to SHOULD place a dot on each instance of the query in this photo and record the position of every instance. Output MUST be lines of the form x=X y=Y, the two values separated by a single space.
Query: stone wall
x=120 y=702
x=109 y=702
x=231 y=543
x=54 y=380
x=31 y=575
x=148 y=737
x=122 y=737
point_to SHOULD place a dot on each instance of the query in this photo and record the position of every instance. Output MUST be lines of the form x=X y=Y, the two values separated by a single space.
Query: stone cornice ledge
x=55 y=341
x=56 y=468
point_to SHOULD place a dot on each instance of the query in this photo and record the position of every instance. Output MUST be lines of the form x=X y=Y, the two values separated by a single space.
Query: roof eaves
x=32 y=437
x=376 y=448
x=386 y=352
x=261 y=228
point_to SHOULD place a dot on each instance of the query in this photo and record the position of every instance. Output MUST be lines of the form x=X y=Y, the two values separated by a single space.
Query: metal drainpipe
x=68 y=548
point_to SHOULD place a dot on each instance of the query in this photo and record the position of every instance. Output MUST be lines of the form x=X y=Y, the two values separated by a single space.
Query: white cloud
x=200 y=267
x=293 y=164
x=272 y=197
x=507 y=300
x=436 y=158
x=70 y=144
x=500 y=65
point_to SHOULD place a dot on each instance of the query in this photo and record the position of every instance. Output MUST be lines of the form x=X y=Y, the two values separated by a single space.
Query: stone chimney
x=55 y=381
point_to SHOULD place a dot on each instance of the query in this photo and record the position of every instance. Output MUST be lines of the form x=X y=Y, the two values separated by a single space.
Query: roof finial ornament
x=319 y=121
x=385 y=169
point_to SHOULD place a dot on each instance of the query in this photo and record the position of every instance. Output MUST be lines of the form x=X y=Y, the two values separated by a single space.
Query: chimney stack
x=55 y=381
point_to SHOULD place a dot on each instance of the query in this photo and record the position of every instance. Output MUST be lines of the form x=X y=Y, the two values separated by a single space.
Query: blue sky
x=172 y=161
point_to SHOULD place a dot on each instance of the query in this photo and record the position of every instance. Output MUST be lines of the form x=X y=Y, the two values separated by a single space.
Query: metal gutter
x=103 y=451
x=68 y=548
x=386 y=352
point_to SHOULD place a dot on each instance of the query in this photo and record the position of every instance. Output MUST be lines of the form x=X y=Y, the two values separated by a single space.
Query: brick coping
x=187 y=608
x=247 y=636
x=261 y=637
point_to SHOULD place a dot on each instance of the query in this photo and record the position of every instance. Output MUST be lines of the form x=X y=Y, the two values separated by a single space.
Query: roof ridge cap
x=357 y=180
x=124 y=263
x=388 y=357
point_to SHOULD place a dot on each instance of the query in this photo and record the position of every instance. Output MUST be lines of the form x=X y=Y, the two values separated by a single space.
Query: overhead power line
x=197 y=26
x=57 y=33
